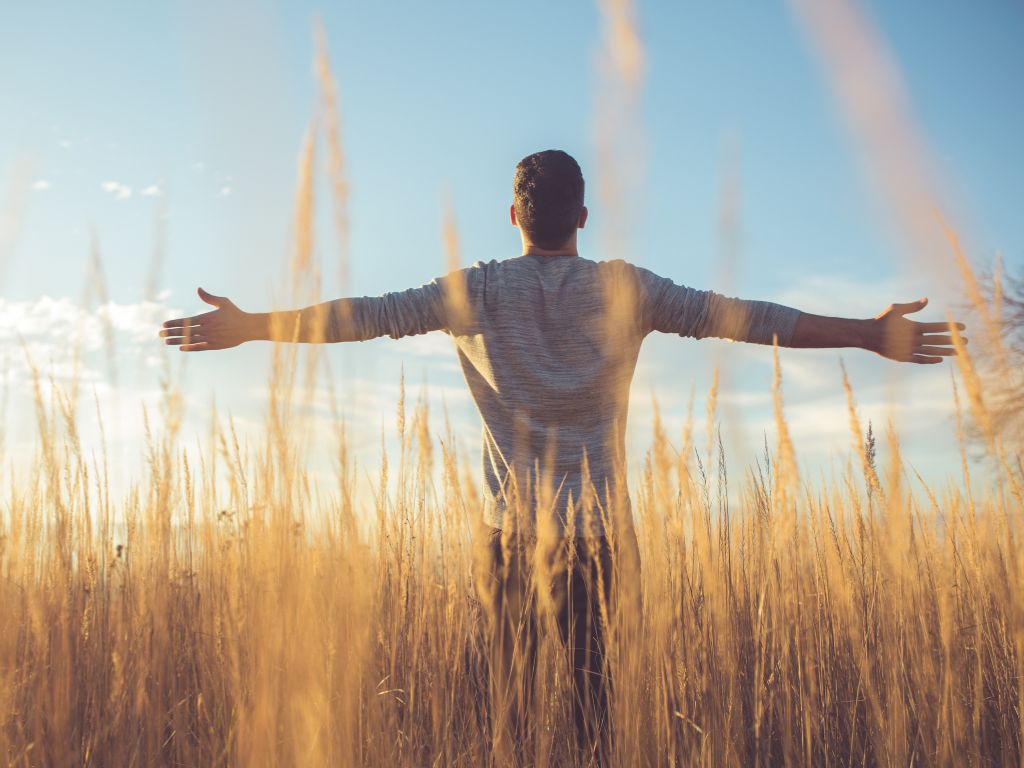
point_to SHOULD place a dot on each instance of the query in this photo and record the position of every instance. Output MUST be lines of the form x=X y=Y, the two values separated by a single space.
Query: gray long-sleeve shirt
x=548 y=346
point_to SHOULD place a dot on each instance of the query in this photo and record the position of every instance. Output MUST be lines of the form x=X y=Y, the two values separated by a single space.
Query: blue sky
x=119 y=117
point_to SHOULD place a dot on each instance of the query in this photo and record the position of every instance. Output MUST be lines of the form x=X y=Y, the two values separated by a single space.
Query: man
x=548 y=342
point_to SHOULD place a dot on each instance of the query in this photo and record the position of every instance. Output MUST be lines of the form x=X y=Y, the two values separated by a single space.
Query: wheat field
x=228 y=612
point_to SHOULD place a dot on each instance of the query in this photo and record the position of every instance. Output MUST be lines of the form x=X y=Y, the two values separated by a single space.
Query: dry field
x=228 y=612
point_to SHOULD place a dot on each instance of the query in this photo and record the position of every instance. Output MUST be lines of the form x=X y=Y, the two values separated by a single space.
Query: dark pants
x=524 y=587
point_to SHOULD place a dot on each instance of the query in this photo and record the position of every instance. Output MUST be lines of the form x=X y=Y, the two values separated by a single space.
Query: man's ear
x=512 y=215
x=583 y=218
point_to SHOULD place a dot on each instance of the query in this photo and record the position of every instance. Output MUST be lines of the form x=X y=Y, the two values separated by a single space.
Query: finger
x=195 y=347
x=931 y=338
x=180 y=331
x=209 y=298
x=910 y=307
x=183 y=340
x=937 y=327
x=189 y=332
x=182 y=322
x=941 y=351
x=925 y=359
x=217 y=301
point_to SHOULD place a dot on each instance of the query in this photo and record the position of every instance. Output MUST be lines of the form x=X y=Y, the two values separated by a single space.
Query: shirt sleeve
x=443 y=304
x=672 y=308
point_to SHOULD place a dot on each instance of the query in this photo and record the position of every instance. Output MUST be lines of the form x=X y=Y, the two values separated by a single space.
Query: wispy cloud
x=40 y=185
x=225 y=191
x=118 y=190
x=850 y=296
x=153 y=190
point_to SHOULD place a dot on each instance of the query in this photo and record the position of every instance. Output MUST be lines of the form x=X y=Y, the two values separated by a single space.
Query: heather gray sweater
x=548 y=345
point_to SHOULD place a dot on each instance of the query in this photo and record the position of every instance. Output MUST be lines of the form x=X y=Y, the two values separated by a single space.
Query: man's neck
x=569 y=249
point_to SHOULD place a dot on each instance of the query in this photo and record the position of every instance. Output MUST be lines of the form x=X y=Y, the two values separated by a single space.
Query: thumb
x=216 y=301
x=911 y=307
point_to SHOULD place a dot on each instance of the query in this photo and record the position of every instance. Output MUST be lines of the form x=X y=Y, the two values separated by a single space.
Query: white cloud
x=67 y=345
x=65 y=144
x=40 y=185
x=118 y=190
x=58 y=329
x=225 y=191
x=153 y=190
x=437 y=349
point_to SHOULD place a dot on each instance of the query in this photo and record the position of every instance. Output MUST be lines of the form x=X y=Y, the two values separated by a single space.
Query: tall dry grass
x=228 y=612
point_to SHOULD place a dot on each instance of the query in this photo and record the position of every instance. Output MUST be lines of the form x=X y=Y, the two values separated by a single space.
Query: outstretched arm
x=406 y=313
x=228 y=326
x=672 y=308
x=890 y=334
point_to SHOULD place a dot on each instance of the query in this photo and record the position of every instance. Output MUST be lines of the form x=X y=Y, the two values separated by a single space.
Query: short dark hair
x=548 y=196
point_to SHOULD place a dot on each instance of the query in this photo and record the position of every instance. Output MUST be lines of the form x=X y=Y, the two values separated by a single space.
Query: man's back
x=549 y=367
x=548 y=345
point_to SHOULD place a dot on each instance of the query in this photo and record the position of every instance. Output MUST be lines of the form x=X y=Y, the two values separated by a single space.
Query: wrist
x=258 y=326
x=868 y=336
